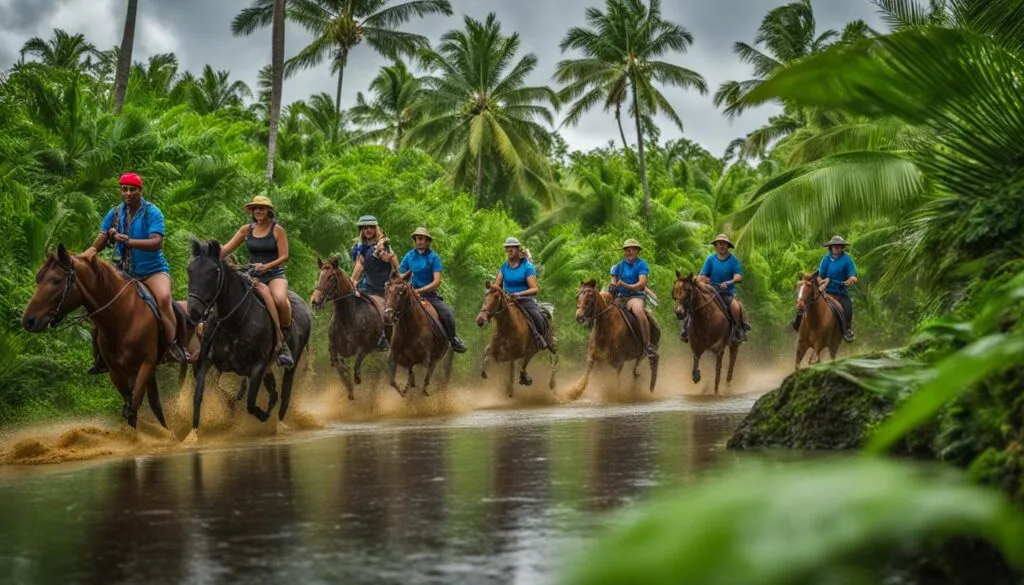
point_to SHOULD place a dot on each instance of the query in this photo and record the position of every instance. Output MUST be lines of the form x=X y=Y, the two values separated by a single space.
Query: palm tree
x=277 y=78
x=478 y=112
x=396 y=91
x=341 y=25
x=214 y=90
x=124 y=60
x=62 y=51
x=623 y=49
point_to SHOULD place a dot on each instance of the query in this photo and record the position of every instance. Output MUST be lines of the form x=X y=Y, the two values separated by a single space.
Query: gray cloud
x=198 y=31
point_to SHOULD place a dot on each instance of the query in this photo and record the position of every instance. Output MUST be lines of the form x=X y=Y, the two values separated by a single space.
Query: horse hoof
x=132 y=421
x=351 y=396
x=525 y=380
x=358 y=379
x=483 y=375
x=696 y=377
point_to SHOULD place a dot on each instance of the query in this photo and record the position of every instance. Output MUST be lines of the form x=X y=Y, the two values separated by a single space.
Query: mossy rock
x=814 y=409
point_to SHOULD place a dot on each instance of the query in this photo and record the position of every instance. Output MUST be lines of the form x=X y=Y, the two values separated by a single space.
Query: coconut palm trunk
x=640 y=152
x=124 y=60
x=277 y=66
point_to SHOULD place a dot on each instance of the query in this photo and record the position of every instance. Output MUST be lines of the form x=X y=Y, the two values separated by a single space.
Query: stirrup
x=650 y=351
x=284 y=356
x=180 y=354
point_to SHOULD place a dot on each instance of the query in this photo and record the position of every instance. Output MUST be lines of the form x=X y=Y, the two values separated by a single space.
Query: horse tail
x=153 y=397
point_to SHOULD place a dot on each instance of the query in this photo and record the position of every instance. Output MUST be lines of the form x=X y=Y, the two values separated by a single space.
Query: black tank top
x=376 y=272
x=262 y=250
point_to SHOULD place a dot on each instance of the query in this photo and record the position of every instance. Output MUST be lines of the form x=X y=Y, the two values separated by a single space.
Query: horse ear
x=319 y=263
x=592 y=282
x=214 y=249
x=407 y=276
x=679 y=275
x=689 y=276
x=487 y=285
x=197 y=248
x=62 y=255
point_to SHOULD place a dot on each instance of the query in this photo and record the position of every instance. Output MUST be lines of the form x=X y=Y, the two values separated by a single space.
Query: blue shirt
x=513 y=280
x=423 y=266
x=630 y=273
x=720 y=271
x=147 y=221
x=837 y=270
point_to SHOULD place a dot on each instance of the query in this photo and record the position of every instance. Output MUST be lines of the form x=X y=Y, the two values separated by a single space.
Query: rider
x=838 y=272
x=268 y=251
x=722 y=270
x=374 y=263
x=426 y=269
x=629 y=279
x=136 y=227
x=518 y=278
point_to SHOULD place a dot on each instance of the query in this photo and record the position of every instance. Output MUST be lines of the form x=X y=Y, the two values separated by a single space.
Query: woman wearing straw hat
x=426 y=268
x=838 y=272
x=629 y=279
x=268 y=251
x=518 y=278
x=374 y=262
x=722 y=270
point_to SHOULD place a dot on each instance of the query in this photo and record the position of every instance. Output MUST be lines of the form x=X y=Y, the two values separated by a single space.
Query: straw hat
x=632 y=243
x=422 y=231
x=259 y=200
x=836 y=241
x=511 y=241
x=722 y=238
x=366 y=220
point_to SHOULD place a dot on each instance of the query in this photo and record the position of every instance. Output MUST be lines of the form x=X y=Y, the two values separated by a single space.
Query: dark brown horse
x=417 y=338
x=356 y=325
x=820 y=329
x=127 y=331
x=709 y=328
x=612 y=339
x=512 y=338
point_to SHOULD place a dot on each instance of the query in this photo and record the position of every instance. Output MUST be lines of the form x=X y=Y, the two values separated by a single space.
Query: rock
x=812 y=410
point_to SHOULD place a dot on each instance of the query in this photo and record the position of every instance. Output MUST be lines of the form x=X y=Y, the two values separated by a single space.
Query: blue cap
x=366 y=220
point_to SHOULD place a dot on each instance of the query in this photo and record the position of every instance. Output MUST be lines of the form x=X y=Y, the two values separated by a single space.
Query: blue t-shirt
x=720 y=271
x=513 y=280
x=147 y=221
x=423 y=266
x=630 y=273
x=837 y=270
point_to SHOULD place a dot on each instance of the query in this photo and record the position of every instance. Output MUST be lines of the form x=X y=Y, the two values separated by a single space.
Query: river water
x=493 y=496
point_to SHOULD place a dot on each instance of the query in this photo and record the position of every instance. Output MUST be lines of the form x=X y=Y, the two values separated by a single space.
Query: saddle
x=837 y=310
x=634 y=326
x=433 y=319
x=180 y=318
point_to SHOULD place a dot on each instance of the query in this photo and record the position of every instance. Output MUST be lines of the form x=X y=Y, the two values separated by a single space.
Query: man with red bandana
x=136 y=229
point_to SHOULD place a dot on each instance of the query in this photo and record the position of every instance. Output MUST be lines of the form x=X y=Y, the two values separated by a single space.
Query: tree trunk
x=124 y=61
x=479 y=188
x=337 y=96
x=640 y=150
x=618 y=120
x=277 y=80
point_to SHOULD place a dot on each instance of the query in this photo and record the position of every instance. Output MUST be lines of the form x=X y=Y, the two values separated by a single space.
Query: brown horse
x=820 y=329
x=709 y=328
x=612 y=339
x=356 y=325
x=417 y=338
x=127 y=331
x=512 y=338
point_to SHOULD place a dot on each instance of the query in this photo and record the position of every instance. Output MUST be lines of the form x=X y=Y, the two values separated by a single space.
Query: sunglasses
x=129 y=188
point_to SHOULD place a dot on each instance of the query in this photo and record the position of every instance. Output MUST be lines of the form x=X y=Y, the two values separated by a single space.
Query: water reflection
x=499 y=497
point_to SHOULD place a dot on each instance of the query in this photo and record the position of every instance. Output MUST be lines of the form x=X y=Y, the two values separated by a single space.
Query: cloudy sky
x=198 y=31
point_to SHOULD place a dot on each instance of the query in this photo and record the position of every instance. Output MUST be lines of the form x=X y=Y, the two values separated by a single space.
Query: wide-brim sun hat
x=512 y=242
x=632 y=243
x=366 y=221
x=836 y=241
x=723 y=238
x=259 y=201
x=422 y=231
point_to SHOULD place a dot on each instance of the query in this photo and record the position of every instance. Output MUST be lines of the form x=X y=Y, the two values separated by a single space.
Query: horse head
x=494 y=303
x=807 y=292
x=205 y=279
x=684 y=291
x=56 y=294
x=395 y=293
x=586 y=301
x=332 y=284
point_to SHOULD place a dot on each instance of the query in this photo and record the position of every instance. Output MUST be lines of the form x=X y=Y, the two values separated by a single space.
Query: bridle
x=211 y=305
x=588 y=313
x=397 y=312
x=502 y=305
x=815 y=295
x=334 y=279
x=690 y=304
x=70 y=281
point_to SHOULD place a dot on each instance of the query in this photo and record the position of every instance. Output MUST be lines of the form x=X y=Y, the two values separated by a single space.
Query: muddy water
x=493 y=496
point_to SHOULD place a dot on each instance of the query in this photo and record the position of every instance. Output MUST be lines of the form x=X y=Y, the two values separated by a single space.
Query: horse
x=512 y=338
x=820 y=328
x=239 y=335
x=709 y=327
x=417 y=336
x=128 y=332
x=356 y=325
x=612 y=339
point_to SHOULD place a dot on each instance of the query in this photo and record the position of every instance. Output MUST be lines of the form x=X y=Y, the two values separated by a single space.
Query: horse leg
x=153 y=397
x=139 y=386
x=554 y=367
x=342 y=367
x=525 y=378
x=718 y=367
x=410 y=382
x=199 y=371
x=392 y=372
x=360 y=356
x=733 y=350
x=695 y=374
x=430 y=371
x=801 y=349
x=654 y=370
x=636 y=367
x=270 y=383
x=483 y=364
x=511 y=378
x=286 y=392
x=255 y=380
